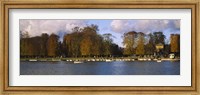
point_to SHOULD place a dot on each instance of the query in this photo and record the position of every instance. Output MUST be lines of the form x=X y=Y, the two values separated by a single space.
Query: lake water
x=100 y=68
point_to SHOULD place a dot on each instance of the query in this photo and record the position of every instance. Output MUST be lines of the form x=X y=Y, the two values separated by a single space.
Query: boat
x=159 y=60
x=77 y=62
x=118 y=59
x=140 y=59
x=97 y=59
x=145 y=59
x=32 y=59
x=108 y=60
x=92 y=59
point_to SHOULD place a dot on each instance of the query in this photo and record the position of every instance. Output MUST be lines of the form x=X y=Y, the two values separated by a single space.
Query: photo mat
x=73 y=80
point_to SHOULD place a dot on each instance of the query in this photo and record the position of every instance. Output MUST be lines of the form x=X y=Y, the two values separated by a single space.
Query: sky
x=116 y=27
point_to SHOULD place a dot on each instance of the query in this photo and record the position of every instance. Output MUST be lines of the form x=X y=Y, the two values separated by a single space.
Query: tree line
x=140 y=44
x=86 y=42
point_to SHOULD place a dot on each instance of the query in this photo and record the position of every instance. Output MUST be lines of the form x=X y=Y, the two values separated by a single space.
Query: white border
x=100 y=80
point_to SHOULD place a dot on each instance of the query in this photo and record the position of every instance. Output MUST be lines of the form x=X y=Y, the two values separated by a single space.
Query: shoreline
x=97 y=59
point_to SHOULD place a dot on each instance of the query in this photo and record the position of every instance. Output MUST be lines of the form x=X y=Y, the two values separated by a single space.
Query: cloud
x=37 y=27
x=121 y=25
x=146 y=26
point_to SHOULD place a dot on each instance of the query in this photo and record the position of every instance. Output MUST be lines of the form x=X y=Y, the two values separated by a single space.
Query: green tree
x=159 y=38
x=107 y=44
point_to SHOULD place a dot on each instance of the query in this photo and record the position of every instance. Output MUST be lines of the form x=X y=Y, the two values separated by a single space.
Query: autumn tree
x=52 y=45
x=86 y=44
x=73 y=44
x=24 y=43
x=97 y=45
x=150 y=46
x=33 y=46
x=140 y=44
x=43 y=44
x=175 y=43
x=129 y=43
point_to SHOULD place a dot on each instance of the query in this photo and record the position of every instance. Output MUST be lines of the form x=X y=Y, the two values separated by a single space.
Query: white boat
x=133 y=60
x=144 y=59
x=159 y=60
x=128 y=59
x=108 y=60
x=97 y=60
x=171 y=56
x=32 y=59
x=149 y=59
x=77 y=62
x=92 y=59
x=140 y=59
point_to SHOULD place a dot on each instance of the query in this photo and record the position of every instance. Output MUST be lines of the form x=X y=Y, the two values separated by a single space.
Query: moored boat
x=159 y=60
x=109 y=60
x=140 y=59
x=32 y=59
x=78 y=62
x=149 y=59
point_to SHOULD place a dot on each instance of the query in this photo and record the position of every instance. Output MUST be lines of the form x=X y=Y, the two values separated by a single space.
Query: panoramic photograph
x=99 y=46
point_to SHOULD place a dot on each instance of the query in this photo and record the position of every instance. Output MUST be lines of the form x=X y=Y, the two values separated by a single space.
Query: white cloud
x=145 y=26
x=121 y=25
x=37 y=27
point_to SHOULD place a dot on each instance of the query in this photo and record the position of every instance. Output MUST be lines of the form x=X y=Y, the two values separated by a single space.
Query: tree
x=76 y=44
x=140 y=44
x=175 y=43
x=43 y=44
x=116 y=50
x=97 y=42
x=52 y=45
x=86 y=44
x=159 y=38
x=150 y=46
x=107 y=42
x=129 y=43
x=24 y=43
x=72 y=42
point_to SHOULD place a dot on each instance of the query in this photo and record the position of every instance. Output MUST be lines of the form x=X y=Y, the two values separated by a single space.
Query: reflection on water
x=100 y=68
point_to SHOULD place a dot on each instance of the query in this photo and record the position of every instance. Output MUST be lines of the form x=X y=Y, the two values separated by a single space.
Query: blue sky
x=116 y=27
